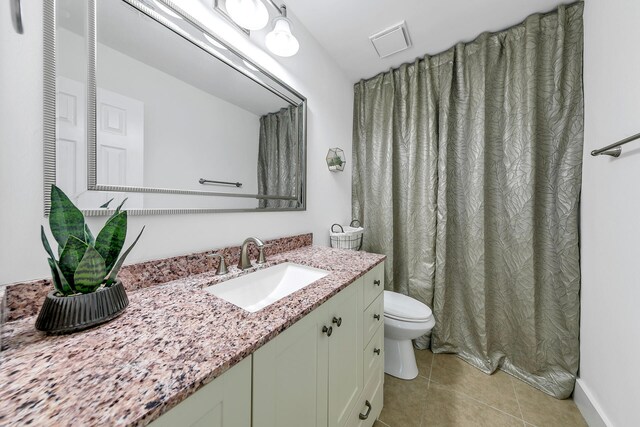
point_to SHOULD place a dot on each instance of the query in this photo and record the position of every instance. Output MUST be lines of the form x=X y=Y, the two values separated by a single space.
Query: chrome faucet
x=244 y=261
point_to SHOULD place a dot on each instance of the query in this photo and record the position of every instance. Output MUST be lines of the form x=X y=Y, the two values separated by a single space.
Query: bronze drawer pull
x=365 y=416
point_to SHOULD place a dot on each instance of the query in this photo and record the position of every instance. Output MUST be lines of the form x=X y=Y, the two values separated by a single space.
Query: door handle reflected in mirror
x=327 y=330
x=337 y=321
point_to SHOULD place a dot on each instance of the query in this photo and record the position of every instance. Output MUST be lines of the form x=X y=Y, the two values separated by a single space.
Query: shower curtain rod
x=614 y=149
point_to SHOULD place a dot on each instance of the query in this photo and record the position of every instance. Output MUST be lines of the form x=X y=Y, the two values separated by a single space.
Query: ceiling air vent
x=392 y=40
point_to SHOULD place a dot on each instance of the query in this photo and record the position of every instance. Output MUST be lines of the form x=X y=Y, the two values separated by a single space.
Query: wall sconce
x=335 y=159
x=252 y=15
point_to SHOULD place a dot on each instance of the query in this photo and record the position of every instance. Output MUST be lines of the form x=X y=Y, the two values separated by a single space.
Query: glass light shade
x=249 y=14
x=280 y=40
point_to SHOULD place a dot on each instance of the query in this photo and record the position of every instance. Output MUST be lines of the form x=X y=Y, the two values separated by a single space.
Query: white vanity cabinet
x=311 y=374
x=370 y=401
x=319 y=371
x=224 y=402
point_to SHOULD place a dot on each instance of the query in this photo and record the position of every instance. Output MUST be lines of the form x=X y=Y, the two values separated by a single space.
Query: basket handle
x=354 y=221
x=341 y=229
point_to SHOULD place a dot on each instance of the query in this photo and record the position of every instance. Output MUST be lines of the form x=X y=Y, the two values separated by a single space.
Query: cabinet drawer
x=374 y=355
x=370 y=404
x=373 y=318
x=373 y=284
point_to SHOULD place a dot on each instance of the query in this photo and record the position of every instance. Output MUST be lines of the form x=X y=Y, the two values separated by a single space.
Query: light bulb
x=280 y=40
x=249 y=14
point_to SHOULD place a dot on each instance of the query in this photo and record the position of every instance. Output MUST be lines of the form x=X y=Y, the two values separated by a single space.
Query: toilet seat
x=404 y=308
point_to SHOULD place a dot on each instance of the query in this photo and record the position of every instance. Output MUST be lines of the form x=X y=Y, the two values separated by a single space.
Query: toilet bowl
x=404 y=320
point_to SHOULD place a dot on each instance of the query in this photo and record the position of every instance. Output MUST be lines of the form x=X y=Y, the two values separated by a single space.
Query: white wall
x=312 y=72
x=610 y=224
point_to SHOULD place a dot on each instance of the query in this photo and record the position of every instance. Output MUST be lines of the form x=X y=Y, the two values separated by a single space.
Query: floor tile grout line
x=433 y=356
x=478 y=401
x=515 y=393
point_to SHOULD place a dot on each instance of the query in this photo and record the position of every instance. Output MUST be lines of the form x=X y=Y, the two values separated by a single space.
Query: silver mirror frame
x=49 y=106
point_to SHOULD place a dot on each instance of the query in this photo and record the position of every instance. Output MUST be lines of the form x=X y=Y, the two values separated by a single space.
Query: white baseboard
x=589 y=408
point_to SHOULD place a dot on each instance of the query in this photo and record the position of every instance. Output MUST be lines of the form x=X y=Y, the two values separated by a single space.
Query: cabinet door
x=345 y=353
x=224 y=402
x=290 y=377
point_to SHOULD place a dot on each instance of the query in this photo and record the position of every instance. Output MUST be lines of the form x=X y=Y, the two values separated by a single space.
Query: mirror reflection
x=170 y=117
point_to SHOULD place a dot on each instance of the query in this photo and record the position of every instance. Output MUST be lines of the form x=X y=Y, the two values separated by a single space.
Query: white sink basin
x=256 y=290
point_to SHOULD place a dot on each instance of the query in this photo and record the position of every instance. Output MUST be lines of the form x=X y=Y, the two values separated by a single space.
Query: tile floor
x=450 y=392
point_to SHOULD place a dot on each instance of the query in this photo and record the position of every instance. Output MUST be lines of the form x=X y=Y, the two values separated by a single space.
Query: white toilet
x=404 y=319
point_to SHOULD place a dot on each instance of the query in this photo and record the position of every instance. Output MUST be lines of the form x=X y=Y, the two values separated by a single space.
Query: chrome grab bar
x=209 y=181
x=614 y=149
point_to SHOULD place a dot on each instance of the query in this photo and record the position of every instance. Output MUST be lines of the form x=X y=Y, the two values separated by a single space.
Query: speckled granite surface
x=25 y=299
x=171 y=340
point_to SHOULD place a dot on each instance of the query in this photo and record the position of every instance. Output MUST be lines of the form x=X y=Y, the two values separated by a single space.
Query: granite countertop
x=171 y=340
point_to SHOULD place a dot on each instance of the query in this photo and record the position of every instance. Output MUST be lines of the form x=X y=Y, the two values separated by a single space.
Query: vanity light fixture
x=249 y=14
x=242 y=13
x=280 y=40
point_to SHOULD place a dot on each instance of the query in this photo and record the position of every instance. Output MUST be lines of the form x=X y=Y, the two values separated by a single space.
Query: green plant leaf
x=64 y=218
x=90 y=273
x=113 y=275
x=119 y=207
x=88 y=236
x=71 y=256
x=59 y=281
x=45 y=242
x=111 y=239
x=106 y=204
x=55 y=277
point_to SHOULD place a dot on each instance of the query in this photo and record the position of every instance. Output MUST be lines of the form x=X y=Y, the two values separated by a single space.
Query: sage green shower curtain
x=467 y=173
x=278 y=157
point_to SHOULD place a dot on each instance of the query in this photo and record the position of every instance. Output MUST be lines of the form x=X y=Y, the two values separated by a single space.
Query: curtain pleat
x=467 y=173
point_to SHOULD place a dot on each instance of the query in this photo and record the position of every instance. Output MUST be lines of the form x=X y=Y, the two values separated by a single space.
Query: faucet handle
x=222 y=266
x=261 y=257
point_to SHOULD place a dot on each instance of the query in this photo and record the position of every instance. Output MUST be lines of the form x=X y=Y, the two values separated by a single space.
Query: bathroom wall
x=311 y=71
x=610 y=331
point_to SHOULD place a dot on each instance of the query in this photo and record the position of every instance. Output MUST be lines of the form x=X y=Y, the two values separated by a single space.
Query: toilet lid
x=402 y=307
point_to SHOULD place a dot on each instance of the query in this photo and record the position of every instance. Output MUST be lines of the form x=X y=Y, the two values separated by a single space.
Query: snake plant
x=84 y=263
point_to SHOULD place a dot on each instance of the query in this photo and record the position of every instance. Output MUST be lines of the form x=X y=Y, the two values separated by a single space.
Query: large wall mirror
x=143 y=102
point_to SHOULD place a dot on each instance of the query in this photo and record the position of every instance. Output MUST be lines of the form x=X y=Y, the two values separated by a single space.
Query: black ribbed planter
x=63 y=315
